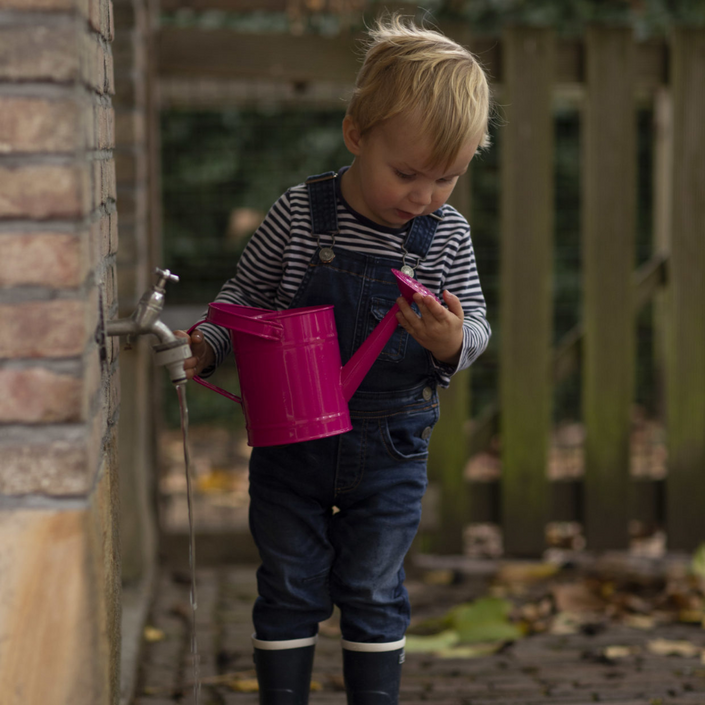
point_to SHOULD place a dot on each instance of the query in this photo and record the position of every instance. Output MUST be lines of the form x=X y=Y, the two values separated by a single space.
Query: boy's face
x=390 y=181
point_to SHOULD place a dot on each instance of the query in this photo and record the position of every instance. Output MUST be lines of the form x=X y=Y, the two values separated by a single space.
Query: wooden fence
x=612 y=73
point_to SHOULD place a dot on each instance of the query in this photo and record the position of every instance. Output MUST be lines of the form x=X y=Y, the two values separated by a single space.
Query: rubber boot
x=284 y=670
x=372 y=677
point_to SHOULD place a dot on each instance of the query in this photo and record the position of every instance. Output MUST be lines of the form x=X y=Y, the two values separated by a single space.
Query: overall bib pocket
x=395 y=349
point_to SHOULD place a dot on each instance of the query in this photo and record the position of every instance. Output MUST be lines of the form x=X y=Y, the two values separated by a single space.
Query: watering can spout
x=359 y=364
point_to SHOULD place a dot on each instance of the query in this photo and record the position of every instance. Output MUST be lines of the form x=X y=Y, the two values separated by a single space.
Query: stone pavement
x=543 y=668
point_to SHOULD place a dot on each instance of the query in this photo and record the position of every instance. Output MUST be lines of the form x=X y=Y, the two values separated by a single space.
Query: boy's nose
x=421 y=196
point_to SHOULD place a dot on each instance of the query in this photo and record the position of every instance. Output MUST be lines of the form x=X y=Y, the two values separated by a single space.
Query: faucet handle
x=164 y=275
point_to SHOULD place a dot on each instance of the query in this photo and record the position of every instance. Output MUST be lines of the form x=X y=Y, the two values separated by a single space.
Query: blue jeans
x=313 y=558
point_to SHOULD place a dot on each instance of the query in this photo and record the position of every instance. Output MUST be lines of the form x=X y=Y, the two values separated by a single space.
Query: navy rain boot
x=372 y=677
x=284 y=670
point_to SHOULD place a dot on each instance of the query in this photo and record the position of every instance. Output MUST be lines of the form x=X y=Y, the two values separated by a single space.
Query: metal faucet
x=171 y=351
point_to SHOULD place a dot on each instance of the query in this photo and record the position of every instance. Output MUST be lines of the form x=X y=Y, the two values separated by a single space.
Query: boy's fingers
x=454 y=305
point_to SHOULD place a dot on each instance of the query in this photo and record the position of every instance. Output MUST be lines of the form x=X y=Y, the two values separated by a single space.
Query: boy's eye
x=402 y=175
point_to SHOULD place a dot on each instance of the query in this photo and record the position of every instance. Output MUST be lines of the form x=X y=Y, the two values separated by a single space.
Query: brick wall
x=59 y=383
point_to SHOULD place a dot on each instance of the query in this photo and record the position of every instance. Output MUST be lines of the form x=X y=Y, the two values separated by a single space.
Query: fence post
x=525 y=284
x=685 y=384
x=609 y=203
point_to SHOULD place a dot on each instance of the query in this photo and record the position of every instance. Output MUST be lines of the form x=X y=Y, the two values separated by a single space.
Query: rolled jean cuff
x=281 y=645
x=359 y=646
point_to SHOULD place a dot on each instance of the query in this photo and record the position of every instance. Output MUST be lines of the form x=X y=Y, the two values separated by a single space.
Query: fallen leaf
x=697 y=564
x=525 y=572
x=474 y=651
x=639 y=621
x=315 y=685
x=152 y=634
x=431 y=644
x=669 y=647
x=615 y=652
x=691 y=616
x=565 y=623
x=576 y=597
x=439 y=577
x=485 y=620
x=247 y=685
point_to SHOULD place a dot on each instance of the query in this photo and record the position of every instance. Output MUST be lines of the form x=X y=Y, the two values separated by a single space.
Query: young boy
x=333 y=518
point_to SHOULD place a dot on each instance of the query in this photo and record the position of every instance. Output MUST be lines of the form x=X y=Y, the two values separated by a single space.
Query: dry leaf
x=614 y=652
x=152 y=634
x=247 y=685
x=639 y=621
x=691 y=616
x=576 y=597
x=439 y=577
x=565 y=623
x=525 y=572
x=669 y=647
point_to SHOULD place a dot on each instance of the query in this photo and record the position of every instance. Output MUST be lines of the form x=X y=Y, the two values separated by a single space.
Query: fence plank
x=609 y=203
x=685 y=383
x=447 y=459
x=525 y=285
x=448 y=447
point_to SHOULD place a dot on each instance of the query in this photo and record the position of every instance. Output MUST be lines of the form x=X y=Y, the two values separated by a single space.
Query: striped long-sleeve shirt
x=273 y=264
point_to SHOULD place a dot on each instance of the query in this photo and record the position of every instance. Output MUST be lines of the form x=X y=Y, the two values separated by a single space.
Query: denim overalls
x=375 y=475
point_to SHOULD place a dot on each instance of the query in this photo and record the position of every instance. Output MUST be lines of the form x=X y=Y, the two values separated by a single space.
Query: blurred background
x=251 y=99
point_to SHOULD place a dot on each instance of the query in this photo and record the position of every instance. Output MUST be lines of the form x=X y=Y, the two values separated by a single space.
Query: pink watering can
x=293 y=385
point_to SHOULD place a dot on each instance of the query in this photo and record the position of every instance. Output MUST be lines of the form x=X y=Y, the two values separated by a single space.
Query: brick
x=39 y=53
x=110 y=30
x=43 y=329
x=39 y=396
x=46 y=259
x=55 y=468
x=109 y=73
x=109 y=181
x=110 y=286
x=37 y=125
x=105 y=127
x=44 y=191
x=97 y=184
x=114 y=238
x=91 y=381
x=95 y=10
x=93 y=63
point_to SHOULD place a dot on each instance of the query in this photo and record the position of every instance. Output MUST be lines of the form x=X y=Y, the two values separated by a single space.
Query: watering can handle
x=208 y=385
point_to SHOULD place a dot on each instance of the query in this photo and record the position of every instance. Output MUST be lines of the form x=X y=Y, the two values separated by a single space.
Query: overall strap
x=420 y=236
x=324 y=204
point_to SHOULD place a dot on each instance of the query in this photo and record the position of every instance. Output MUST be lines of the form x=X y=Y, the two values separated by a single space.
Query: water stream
x=183 y=408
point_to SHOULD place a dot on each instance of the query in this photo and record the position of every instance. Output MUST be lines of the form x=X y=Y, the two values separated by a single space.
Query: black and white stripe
x=274 y=262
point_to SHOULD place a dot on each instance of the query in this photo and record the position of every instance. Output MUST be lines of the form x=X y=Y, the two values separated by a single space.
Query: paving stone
x=542 y=669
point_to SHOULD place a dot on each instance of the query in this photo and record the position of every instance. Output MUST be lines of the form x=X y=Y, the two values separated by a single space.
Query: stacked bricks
x=59 y=386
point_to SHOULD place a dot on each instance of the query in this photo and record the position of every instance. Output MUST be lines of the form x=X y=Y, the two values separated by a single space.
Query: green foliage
x=648 y=17
x=567 y=17
x=215 y=162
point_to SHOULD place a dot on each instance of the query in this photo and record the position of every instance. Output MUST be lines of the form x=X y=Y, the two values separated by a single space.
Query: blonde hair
x=408 y=69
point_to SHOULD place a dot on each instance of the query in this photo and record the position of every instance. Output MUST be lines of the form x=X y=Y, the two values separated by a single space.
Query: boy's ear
x=351 y=136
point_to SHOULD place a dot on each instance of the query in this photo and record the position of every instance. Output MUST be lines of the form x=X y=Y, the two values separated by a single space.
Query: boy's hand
x=438 y=329
x=202 y=353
